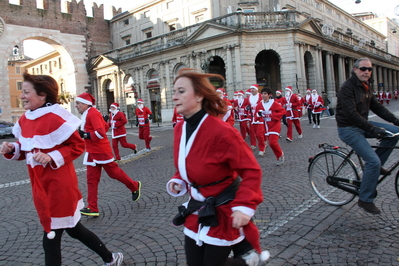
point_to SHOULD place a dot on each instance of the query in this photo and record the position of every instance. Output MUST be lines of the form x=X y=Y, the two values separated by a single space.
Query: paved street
x=295 y=225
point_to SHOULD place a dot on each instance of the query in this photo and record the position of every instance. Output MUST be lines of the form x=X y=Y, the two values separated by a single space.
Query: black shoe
x=368 y=207
x=136 y=194
x=384 y=171
x=89 y=212
x=135 y=149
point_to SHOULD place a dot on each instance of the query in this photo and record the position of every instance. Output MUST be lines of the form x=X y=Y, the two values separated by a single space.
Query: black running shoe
x=89 y=212
x=136 y=194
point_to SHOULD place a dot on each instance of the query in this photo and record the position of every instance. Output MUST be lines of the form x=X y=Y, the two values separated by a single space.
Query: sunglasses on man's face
x=366 y=68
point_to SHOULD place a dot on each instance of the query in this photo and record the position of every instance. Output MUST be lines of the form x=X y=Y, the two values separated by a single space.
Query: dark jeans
x=356 y=138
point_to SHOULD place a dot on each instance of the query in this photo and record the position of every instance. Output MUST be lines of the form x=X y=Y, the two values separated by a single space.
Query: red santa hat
x=314 y=90
x=220 y=90
x=240 y=92
x=248 y=91
x=254 y=86
x=116 y=105
x=288 y=88
x=308 y=90
x=86 y=98
x=140 y=101
x=278 y=91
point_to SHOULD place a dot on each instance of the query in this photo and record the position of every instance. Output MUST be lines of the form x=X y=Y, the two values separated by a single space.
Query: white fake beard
x=141 y=106
x=287 y=94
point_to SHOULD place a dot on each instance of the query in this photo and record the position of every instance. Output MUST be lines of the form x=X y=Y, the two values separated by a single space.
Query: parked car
x=6 y=129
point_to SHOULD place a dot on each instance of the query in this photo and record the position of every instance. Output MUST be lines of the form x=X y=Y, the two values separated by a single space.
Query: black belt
x=206 y=209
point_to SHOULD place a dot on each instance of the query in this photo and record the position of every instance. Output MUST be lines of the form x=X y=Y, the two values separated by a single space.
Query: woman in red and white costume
x=292 y=104
x=117 y=124
x=49 y=150
x=271 y=112
x=213 y=161
x=144 y=115
x=242 y=115
x=227 y=117
x=256 y=132
x=316 y=103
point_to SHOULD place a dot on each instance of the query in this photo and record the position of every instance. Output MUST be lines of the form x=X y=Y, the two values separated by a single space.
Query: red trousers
x=124 y=144
x=93 y=178
x=144 y=133
x=257 y=132
x=297 y=124
x=273 y=143
x=244 y=128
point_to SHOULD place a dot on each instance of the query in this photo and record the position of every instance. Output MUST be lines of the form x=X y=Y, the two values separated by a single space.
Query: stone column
x=321 y=68
x=238 y=73
x=169 y=86
x=385 y=76
x=229 y=73
x=341 y=70
x=330 y=75
x=390 y=84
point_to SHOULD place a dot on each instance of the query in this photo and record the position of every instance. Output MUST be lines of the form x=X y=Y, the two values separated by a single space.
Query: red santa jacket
x=177 y=117
x=228 y=117
x=292 y=106
x=252 y=101
x=215 y=151
x=117 y=124
x=143 y=116
x=54 y=185
x=388 y=96
x=242 y=112
x=271 y=113
x=98 y=147
x=316 y=103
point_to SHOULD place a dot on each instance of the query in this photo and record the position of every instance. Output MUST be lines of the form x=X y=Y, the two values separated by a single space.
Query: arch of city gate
x=70 y=46
x=267 y=68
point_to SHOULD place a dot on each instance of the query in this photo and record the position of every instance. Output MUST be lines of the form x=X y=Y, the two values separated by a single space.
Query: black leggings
x=316 y=119
x=310 y=116
x=210 y=255
x=52 y=247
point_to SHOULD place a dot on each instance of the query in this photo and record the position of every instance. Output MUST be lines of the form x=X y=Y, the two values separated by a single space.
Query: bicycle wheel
x=326 y=164
x=397 y=184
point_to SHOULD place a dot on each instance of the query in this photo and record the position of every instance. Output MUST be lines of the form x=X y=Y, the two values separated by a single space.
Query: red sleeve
x=98 y=125
x=121 y=120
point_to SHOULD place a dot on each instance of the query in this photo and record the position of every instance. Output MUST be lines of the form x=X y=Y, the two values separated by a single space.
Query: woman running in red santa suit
x=49 y=150
x=117 y=124
x=316 y=103
x=213 y=164
x=143 y=122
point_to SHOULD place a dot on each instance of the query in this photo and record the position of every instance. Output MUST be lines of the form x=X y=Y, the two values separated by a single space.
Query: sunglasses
x=366 y=68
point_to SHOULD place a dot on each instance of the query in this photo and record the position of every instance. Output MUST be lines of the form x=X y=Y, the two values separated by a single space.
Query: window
x=172 y=27
x=126 y=22
x=19 y=85
x=148 y=34
x=18 y=70
x=127 y=42
x=199 y=18
x=248 y=10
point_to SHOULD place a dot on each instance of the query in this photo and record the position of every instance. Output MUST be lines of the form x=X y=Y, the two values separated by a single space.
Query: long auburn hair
x=211 y=102
x=43 y=84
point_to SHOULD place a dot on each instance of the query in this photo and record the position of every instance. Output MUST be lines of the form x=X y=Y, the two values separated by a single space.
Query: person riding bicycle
x=355 y=100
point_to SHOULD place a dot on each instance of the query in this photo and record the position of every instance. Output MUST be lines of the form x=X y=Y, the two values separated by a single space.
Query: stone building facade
x=276 y=43
x=74 y=35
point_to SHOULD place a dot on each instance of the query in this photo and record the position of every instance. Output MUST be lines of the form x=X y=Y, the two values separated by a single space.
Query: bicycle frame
x=355 y=184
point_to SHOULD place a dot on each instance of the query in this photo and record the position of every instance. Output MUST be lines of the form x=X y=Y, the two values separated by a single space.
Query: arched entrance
x=267 y=68
x=310 y=72
x=154 y=90
x=217 y=66
x=109 y=89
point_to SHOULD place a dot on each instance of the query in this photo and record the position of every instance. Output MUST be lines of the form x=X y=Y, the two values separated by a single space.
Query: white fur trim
x=57 y=159
x=178 y=181
x=244 y=210
x=79 y=99
x=68 y=221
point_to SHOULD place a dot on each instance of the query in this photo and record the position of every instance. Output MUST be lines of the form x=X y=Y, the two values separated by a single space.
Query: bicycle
x=335 y=176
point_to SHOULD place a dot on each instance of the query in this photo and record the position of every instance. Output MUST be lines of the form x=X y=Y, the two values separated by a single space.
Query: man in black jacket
x=355 y=99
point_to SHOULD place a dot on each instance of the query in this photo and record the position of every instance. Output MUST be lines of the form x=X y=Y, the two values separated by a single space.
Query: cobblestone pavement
x=295 y=225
